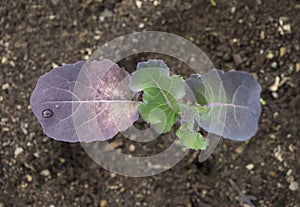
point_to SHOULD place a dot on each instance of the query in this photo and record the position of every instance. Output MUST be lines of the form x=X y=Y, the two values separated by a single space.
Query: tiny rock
x=54 y=65
x=270 y=55
x=293 y=186
x=122 y=190
x=138 y=3
x=274 y=65
x=51 y=17
x=5 y=86
x=45 y=173
x=131 y=148
x=273 y=174
x=282 y=51
x=275 y=95
x=232 y=10
x=262 y=35
x=97 y=37
x=250 y=166
x=29 y=178
x=274 y=87
x=239 y=150
x=275 y=115
x=278 y=154
x=103 y=203
x=141 y=25
x=18 y=151
x=287 y=28
x=289 y=179
x=297 y=67
x=291 y=148
x=3 y=60
x=156 y=2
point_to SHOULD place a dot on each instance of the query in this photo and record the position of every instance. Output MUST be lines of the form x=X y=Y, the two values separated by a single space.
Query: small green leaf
x=213 y=3
x=156 y=110
x=192 y=39
x=262 y=101
x=61 y=160
x=190 y=138
x=160 y=106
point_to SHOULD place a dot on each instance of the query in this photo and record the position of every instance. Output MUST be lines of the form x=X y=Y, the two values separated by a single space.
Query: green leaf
x=160 y=106
x=190 y=138
x=213 y=3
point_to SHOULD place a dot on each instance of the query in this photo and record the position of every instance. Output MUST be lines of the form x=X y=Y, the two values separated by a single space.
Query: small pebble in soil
x=156 y=2
x=289 y=179
x=293 y=186
x=275 y=115
x=262 y=35
x=239 y=150
x=122 y=190
x=4 y=60
x=233 y=10
x=278 y=153
x=250 y=166
x=138 y=3
x=275 y=95
x=5 y=86
x=18 y=151
x=275 y=85
x=131 y=148
x=289 y=172
x=287 y=28
x=291 y=148
x=29 y=178
x=103 y=203
x=274 y=65
x=141 y=25
x=272 y=136
x=282 y=51
x=270 y=55
x=45 y=173
x=297 y=67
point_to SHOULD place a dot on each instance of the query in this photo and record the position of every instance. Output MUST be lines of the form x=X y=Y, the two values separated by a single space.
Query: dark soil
x=252 y=35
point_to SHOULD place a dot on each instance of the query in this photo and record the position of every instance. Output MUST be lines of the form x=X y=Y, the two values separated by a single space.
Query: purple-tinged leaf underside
x=87 y=101
x=230 y=101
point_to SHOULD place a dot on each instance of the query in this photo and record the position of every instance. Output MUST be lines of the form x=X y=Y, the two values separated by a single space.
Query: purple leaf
x=231 y=103
x=86 y=101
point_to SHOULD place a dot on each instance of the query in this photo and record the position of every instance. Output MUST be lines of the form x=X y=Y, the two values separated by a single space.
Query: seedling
x=96 y=105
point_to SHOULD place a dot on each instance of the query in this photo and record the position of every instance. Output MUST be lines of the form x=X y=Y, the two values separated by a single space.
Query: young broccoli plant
x=226 y=104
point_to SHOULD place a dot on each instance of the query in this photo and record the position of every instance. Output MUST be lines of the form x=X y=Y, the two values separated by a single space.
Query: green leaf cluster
x=162 y=102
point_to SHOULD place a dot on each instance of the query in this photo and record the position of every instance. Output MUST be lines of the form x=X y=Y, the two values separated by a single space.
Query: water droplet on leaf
x=47 y=113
